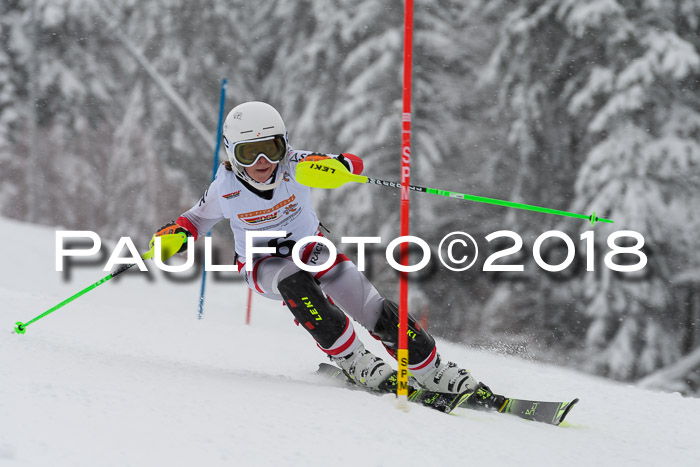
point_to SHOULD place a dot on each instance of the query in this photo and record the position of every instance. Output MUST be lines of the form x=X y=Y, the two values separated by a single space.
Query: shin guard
x=420 y=343
x=305 y=299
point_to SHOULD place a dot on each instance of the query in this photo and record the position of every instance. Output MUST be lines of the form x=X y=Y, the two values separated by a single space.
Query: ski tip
x=326 y=369
x=566 y=410
x=333 y=373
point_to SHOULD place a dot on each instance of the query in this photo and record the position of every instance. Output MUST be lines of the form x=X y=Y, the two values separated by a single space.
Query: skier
x=256 y=191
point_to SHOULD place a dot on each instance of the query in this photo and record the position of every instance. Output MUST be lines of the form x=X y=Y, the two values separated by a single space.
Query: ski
x=443 y=402
x=547 y=412
x=552 y=413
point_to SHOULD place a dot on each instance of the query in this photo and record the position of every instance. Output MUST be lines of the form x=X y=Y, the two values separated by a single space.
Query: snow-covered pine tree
x=105 y=131
x=605 y=94
x=12 y=116
x=642 y=104
x=193 y=48
x=456 y=146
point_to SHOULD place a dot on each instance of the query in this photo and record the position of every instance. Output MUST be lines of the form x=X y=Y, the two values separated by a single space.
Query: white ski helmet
x=253 y=130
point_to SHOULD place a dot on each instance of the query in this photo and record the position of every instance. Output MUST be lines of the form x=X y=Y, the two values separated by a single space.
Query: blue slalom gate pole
x=213 y=175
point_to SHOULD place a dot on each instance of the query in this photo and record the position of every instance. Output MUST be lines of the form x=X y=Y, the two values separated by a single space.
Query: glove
x=342 y=159
x=316 y=156
x=351 y=159
x=171 y=228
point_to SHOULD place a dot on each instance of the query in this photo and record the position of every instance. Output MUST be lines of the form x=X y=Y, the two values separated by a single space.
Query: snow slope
x=127 y=376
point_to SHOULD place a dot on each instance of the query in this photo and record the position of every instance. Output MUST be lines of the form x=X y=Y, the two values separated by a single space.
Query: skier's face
x=261 y=170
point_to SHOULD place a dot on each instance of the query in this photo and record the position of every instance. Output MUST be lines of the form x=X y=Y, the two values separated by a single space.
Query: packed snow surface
x=127 y=375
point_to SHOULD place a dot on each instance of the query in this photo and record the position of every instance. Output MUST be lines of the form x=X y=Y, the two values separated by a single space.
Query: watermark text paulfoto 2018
x=457 y=251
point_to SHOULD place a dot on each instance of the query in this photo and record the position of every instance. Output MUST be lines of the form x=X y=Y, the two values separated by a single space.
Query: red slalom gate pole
x=402 y=354
x=250 y=301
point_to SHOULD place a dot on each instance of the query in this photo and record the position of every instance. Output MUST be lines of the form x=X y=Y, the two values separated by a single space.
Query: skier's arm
x=200 y=218
x=204 y=215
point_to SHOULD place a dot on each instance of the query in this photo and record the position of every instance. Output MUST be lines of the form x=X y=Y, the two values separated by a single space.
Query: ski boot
x=367 y=370
x=447 y=377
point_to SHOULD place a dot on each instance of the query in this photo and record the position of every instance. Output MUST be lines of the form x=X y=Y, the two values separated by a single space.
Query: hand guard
x=316 y=156
x=171 y=228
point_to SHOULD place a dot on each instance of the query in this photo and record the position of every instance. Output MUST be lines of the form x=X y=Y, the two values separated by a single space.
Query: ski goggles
x=247 y=153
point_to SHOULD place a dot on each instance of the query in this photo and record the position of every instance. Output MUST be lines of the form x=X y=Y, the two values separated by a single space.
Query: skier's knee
x=271 y=270
x=420 y=342
x=307 y=302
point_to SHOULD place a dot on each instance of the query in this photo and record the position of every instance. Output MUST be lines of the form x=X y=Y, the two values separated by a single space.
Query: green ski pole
x=331 y=173
x=170 y=244
x=20 y=327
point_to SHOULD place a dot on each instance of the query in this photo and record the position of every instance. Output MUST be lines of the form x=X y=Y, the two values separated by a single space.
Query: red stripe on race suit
x=343 y=347
x=339 y=259
x=307 y=251
x=425 y=362
x=346 y=345
x=255 y=272
x=186 y=224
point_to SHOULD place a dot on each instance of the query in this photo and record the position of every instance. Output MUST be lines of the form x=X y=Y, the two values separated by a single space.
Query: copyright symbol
x=461 y=248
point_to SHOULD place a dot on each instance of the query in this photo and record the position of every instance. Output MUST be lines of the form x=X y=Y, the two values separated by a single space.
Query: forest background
x=581 y=106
